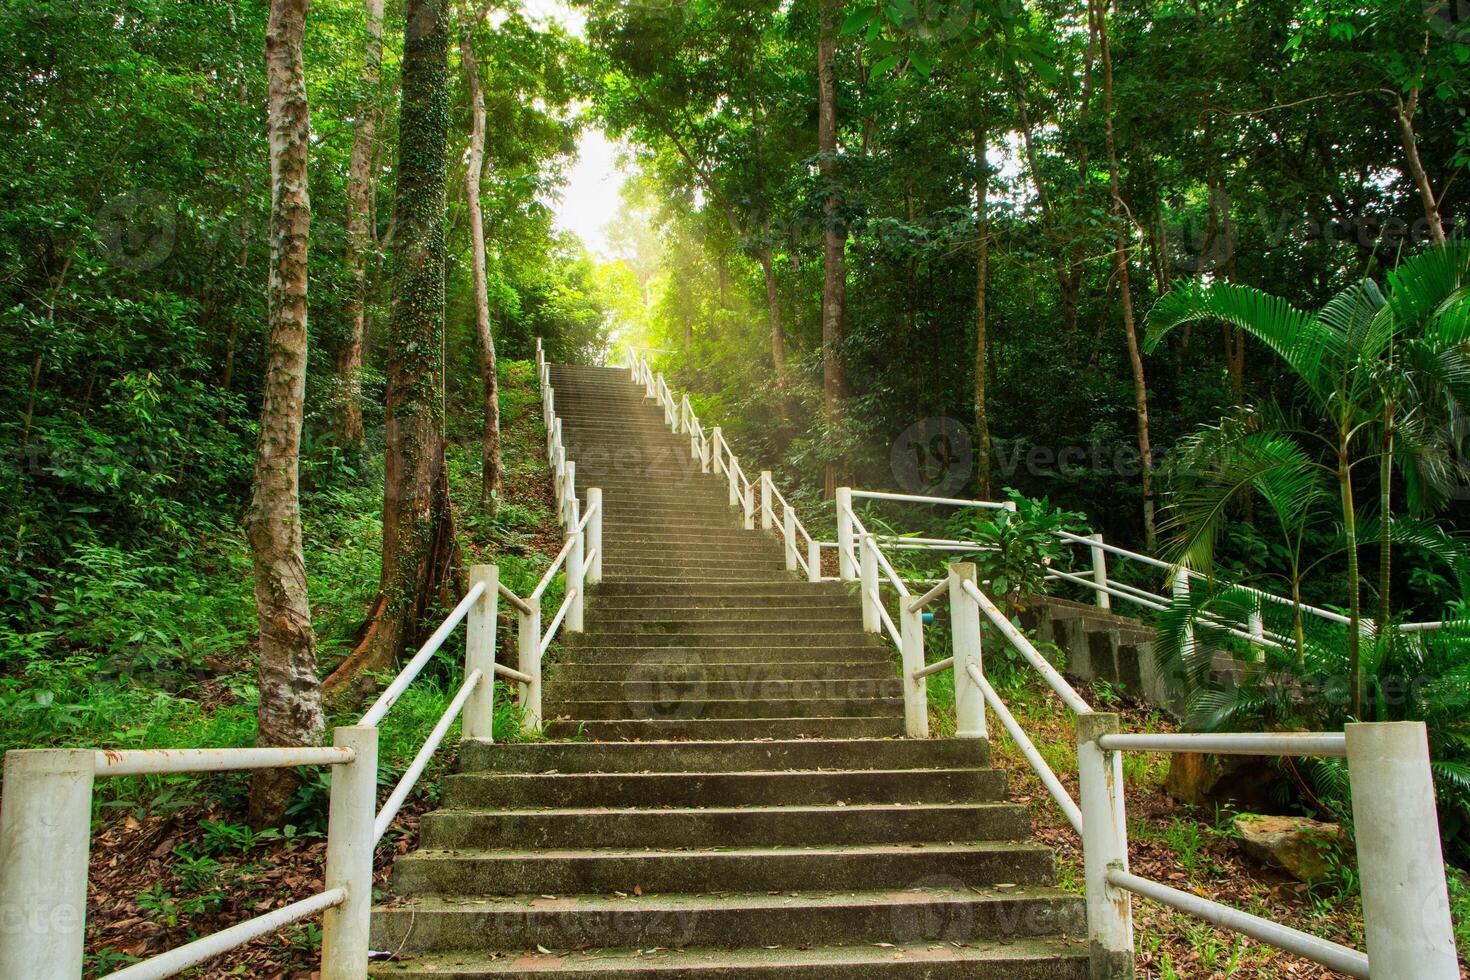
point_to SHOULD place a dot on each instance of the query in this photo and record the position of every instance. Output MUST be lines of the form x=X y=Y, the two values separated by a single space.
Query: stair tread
x=676 y=962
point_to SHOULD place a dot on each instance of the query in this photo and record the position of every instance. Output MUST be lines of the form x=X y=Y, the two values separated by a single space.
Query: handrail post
x=648 y=387
x=788 y=532
x=1100 y=571
x=813 y=561
x=868 y=549
x=1406 y=906
x=964 y=619
x=845 y=568
x=915 y=689
x=1105 y=848
x=731 y=468
x=750 y=507
x=528 y=656
x=695 y=452
x=767 y=511
x=479 y=654
x=684 y=425
x=351 y=813
x=576 y=579
x=569 y=496
x=45 y=840
x=594 y=535
x=715 y=453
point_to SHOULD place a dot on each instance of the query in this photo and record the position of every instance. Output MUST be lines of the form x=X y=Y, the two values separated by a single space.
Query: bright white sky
x=590 y=201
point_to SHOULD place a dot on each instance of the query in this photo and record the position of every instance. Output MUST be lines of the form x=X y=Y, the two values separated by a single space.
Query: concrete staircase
x=739 y=801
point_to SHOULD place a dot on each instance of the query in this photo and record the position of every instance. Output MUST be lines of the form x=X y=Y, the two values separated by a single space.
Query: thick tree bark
x=1125 y=286
x=982 y=277
x=834 y=232
x=490 y=469
x=290 y=709
x=1404 y=115
x=420 y=557
x=360 y=193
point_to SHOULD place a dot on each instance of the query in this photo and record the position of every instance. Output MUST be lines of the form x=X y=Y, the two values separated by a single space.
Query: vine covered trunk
x=420 y=557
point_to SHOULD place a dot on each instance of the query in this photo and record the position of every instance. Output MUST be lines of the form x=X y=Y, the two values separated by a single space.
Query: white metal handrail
x=45 y=831
x=1103 y=587
x=1405 y=900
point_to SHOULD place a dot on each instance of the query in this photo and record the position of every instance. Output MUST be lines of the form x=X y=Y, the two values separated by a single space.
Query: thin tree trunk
x=1404 y=116
x=290 y=707
x=834 y=233
x=1125 y=287
x=1385 y=525
x=773 y=307
x=420 y=557
x=982 y=277
x=1355 y=611
x=360 y=193
x=490 y=469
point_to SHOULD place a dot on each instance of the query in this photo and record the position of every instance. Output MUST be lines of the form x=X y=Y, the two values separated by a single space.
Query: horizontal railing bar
x=413 y=667
x=917 y=499
x=1089 y=583
x=421 y=761
x=886 y=619
x=891 y=572
x=1325 y=744
x=513 y=674
x=1331 y=955
x=514 y=599
x=561 y=556
x=1028 y=749
x=138 y=762
x=935 y=668
x=1048 y=673
x=177 y=960
x=1112 y=549
x=555 y=624
x=928 y=597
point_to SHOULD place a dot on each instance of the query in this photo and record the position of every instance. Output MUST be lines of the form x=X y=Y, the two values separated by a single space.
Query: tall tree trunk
x=1404 y=115
x=360 y=193
x=834 y=232
x=420 y=557
x=490 y=469
x=982 y=276
x=290 y=708
x=1125 y=286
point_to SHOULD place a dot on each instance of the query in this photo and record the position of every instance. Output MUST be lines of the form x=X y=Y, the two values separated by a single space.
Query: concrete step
x=512 y=872
x=735 y=729
x=944 y=912
x=672 y=689
x=1027 y=959
x=710 y=827
x=485 y=790
x=692 y=707
x=861 y=650
x=478 y=755
x=752 y=676
x=851 y=638
x=785 y=588
x=764 y=605
x=756 y=619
